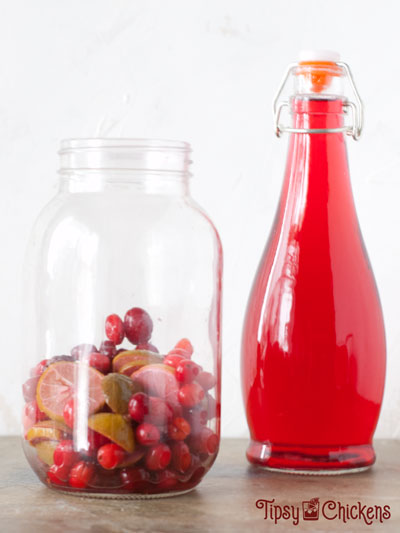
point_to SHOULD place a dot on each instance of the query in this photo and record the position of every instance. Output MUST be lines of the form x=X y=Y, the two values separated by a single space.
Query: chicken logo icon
x=311 y=509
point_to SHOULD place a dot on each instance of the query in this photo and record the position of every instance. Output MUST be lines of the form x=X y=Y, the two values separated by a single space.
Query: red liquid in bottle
x=313 y=352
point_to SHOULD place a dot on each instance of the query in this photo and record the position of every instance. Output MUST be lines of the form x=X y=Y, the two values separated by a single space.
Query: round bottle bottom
x=311 y=460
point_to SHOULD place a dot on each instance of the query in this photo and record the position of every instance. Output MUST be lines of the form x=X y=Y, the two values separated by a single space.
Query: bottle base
x=326 y=472
x=311 y=460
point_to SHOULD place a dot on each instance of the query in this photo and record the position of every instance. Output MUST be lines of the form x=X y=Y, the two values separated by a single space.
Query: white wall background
x=203 y=71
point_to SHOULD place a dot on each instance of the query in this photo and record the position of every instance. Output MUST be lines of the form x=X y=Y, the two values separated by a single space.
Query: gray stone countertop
x=225 y=500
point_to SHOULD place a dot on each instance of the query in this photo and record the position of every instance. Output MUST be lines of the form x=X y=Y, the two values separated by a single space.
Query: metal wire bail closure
x=356 y=108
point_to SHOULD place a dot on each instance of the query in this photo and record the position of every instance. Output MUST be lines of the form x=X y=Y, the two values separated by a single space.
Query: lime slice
x=58 y=384
x=129 y=356
x=118 y=390
x=115 y=427
x=47 y=430
x=45 y=450
x=132 y=366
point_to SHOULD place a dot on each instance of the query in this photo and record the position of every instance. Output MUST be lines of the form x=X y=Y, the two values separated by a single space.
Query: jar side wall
x=97 y=254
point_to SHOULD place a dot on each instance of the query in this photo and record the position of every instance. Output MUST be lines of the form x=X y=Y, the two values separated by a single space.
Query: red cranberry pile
x=145 y=423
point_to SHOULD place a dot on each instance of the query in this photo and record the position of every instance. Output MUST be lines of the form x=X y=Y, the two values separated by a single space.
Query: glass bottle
x=313 y=347
x=122 y=317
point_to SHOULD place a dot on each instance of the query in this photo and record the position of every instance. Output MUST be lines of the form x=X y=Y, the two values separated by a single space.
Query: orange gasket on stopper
x=318 y=73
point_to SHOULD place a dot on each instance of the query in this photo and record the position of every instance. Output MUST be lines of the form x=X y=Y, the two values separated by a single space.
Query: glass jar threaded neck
x=98 y=162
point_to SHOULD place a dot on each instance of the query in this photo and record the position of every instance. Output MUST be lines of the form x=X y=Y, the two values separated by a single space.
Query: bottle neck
x=318 y=113
x=317 y=180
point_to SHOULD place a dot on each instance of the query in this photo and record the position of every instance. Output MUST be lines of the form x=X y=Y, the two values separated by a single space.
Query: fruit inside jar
x=122 y=420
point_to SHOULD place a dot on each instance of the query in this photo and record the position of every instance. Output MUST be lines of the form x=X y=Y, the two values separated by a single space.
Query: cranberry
x=59 y=358
x=181 y=456
x=147 y=346
x=138 y=406
x=179 y=351
x=108 y=348
x=185 y=344
x=39 y=368
x=197 y=475
x=134 y=479
x=105 y=480
x=115 y=329
x=206 y=380
x=155 y=409
x=121 y=350
x=173 y=359
x=69 y=413
x=28 y=417
x=160 y=412
x=33 y=414
x=100 y=362
x=190 y=394
x=81 y=350
x=110 y=456
x=197 y=418
x=58 y=475
x=29 y=388
x=95 y=441
x=158 y=457
x=167 y=479
x=147 y=434
x=205 y=442
x=80 y=475
x=64 y=454
x=138 y=325
x=178 y=429
x=187 y=371
x=177 y=409
x=211 y=407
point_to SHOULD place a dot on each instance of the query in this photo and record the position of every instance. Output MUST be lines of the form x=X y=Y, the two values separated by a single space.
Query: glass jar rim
x=125 y=155
x=123 y=143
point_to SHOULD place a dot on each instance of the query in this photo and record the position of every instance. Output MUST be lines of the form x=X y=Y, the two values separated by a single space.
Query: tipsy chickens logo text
x=313 y=509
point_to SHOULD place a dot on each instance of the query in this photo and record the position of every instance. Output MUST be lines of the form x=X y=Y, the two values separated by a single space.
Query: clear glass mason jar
x=122 y=314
